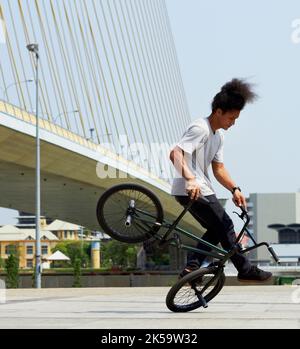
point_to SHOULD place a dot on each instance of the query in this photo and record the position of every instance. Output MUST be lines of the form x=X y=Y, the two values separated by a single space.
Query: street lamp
x=100 y=135
x=64 y=113
x=13 y=84
x=91 y=131
x=34 y=48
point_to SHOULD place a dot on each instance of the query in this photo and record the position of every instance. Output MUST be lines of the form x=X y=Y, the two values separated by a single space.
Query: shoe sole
x=254 y=281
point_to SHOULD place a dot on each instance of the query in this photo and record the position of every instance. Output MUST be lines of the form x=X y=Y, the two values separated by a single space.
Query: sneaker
x=255 y=274
x=188 y=269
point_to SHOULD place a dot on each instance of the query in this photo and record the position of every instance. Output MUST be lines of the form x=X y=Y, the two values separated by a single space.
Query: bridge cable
x=91 y=73
x=78 y=66
x=126 y=76
x=149 y=72
x=22 y=64
x=156 y=78
x=42 y=99
x=160 y=67
x=53 y=71
x=93 y=67
x=132 y=72
x=175 y=58
x=63 y=45
x=175 y=95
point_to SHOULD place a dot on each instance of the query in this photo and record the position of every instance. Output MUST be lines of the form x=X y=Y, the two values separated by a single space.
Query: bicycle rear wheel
x=195 y=289
x=129 y=213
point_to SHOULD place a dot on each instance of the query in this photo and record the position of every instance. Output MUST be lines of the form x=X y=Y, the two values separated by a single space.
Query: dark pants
x=219 y=225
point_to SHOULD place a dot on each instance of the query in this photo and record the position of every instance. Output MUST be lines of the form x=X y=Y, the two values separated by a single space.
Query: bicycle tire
x=190 y=282
x=113 y=204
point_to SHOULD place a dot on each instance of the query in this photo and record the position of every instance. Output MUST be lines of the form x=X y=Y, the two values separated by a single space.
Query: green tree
x=2 y=264
x=75 y=250
x=131 y=253
x=157 y=256
x=77 y=273
x=12 y=271
x=118 y=254
x=161 y=259
x=33 y=276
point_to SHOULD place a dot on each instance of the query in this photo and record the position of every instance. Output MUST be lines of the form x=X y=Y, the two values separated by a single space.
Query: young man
x=200 y=147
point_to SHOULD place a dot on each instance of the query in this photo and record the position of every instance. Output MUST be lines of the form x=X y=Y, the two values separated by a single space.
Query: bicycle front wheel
x=129 y=213
x=195 y=289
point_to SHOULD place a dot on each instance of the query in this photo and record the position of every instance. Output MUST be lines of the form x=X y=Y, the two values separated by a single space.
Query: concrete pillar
x=95 y=254
x=141 y=259
x=177 y=258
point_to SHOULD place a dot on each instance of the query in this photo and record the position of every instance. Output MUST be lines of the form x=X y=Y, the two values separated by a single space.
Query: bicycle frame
x=216 y=252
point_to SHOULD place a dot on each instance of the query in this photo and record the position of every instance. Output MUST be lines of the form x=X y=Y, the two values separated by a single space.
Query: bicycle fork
x=200 y=294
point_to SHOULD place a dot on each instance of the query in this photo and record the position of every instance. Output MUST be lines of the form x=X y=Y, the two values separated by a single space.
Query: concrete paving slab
x=144 y=308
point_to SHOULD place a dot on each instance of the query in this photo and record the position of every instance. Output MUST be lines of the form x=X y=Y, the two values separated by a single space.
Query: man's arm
x=224 y=178
x=178 y=160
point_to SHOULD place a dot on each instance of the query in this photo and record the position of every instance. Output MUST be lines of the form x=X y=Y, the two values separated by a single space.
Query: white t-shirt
x=201 y=146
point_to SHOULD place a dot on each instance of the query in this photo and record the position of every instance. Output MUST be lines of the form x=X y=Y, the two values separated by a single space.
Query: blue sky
x=217 y=40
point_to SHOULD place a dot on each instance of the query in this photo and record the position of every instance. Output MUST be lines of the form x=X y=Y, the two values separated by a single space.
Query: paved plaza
x=144 y=307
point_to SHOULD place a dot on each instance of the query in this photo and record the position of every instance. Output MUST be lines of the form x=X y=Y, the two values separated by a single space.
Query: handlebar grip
x=243 y=209
x=274 y=255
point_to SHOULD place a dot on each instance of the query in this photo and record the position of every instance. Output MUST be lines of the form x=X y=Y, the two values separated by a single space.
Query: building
x=22 y=241
x=20 y=238
x=27 y=220
x=288 y=254
x=267 y=210
x=288 y=247
x=64 y=230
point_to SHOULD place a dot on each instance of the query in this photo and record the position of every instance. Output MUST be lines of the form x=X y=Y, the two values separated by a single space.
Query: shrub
x=12 y=271
x=118 y=254
x=77 y=273
x=74 y=250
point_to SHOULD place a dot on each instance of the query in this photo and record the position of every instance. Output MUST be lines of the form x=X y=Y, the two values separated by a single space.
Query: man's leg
x=219 y=229
x=195 y=260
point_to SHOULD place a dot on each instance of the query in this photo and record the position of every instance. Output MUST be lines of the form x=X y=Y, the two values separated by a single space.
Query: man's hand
x=239 y=199
x=193 y=188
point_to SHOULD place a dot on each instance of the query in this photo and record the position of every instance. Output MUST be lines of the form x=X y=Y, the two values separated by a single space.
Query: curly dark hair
x=233 y=96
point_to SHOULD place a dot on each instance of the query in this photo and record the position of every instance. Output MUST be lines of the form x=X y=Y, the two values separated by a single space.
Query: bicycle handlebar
x=243 y=209
x=243 y=215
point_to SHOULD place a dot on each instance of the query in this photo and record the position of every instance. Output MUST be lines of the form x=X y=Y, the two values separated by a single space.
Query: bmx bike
x=132 y=213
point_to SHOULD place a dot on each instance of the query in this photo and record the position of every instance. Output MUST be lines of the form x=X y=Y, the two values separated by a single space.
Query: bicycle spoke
x=116 y=206
x=195 y=293
x=186 y=296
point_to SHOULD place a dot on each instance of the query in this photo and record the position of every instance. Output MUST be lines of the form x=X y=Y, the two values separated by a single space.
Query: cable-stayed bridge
x=111 y=102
